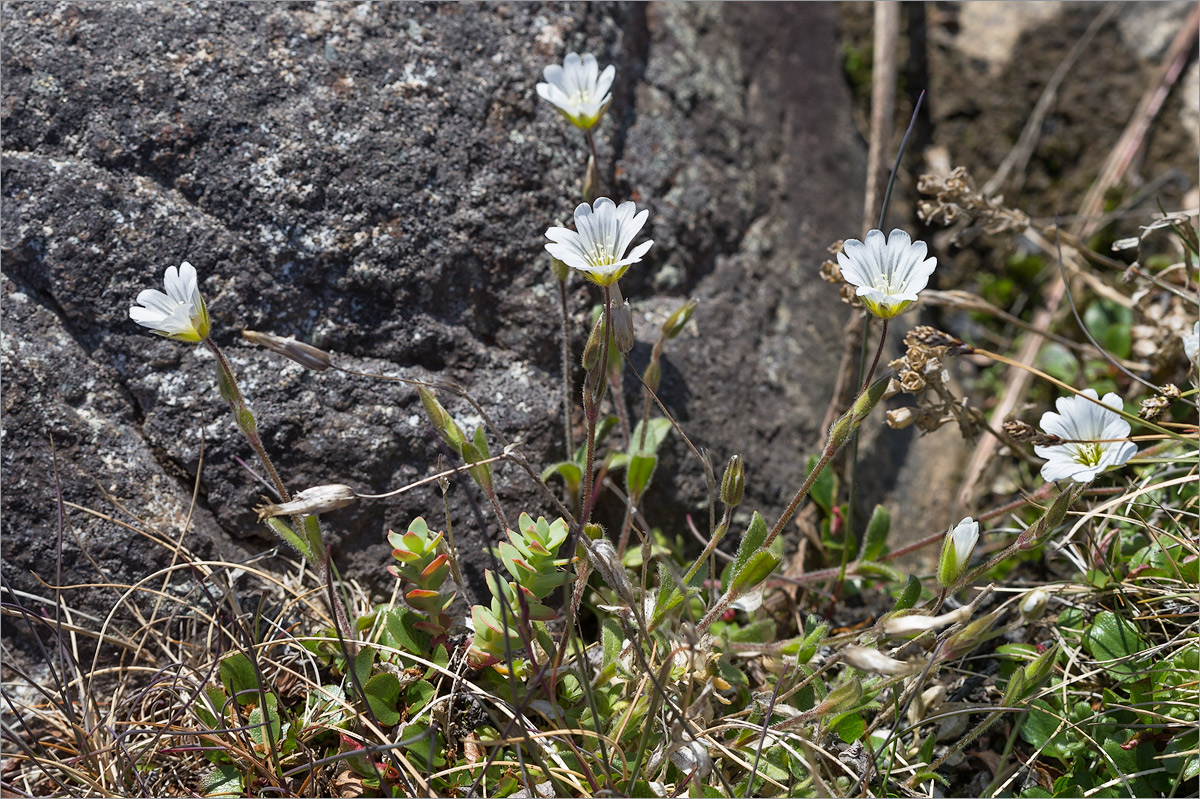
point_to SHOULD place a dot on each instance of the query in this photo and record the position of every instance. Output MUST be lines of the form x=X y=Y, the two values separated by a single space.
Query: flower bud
x=310 y=501
x=591 y=181
x=306 y=355
x=843 y=428
x=1041 y=667
x=591 y=350
x=965 y=640
x=653 y=376
x=865 y=659
x=957 y=547
x=733 y=482
x=559 y=269
x=622 y=321
x=441 y=420
x=905 y=625
x=676 y=321
x=1034 y=604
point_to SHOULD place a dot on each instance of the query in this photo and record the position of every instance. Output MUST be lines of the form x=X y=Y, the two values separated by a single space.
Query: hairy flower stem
x=566 y=359
x=244 y=418
x=826 y=457
x=309 y=524
x=592 y=410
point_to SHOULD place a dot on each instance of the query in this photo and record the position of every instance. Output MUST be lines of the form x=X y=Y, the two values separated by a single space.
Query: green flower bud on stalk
x=1041 y=667
x=591 y=181
x=560 y=269
x=653 y=376
x=622 y=320
x=678 y=320
x=591 y=350
x=957 y=547
x=306 y=355
x=441 y=420
x=733 y=482
x=843 y=428
x=1033 y=605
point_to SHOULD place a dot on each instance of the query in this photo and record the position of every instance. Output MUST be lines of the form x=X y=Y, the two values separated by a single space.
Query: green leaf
x=877 y=532
x=207 y=711
x=419 y=695
x=481 y=442
x=223 y=781
x=289 y=536
x=637 y=476
x=237 y=675
x=257 y=726
x=757 y=632
x=401 y=626
x=1039 y=730
x=909 y=596
x=850 y=727
x=611 y=639
x=757 y=568
x=868 y=568
x=363 y=662
x=656 y=433
x=751 y=542
x=569 y=471
x=382 y=691
x=1112 y=638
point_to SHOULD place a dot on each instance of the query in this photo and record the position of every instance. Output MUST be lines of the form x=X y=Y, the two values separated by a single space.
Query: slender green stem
x=601 y=376
x=566 y=361
x=245 y=418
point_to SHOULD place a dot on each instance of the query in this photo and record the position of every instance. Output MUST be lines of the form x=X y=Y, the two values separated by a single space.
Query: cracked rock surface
x=376 y=179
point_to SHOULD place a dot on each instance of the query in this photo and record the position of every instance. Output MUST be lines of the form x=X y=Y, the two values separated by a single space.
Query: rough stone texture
x=376 y=179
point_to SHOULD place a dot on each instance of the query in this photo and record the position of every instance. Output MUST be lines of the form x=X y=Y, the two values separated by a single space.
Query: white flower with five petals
x=180 y=313
x=887 y=274
x=579 y=89
x=603 y=232
x=1090 y=430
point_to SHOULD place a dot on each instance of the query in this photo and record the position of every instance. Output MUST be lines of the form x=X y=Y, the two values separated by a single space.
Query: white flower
x=1089 y=427
x=579 y=89
x=1191 y=346
x=1034 y=604
x=180 y=313
x=957 y=547
x=605 y=231
x=864 y=659
x=888 y=275
x=914 y=623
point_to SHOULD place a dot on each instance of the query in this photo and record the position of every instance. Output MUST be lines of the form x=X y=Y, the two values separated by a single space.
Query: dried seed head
x=932 y=338
x=831 y=272
x=1170 y=391
x=1153 y=407
x=1018 y=430
x=911 y=382
x=900 y=418
x=306 y=355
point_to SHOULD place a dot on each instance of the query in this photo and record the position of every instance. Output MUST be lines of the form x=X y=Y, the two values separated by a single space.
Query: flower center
x=601 y=254
x=883 y=283
x=1088 y=454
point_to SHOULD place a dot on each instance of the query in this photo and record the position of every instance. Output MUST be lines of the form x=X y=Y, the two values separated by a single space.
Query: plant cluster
x=610 y=662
